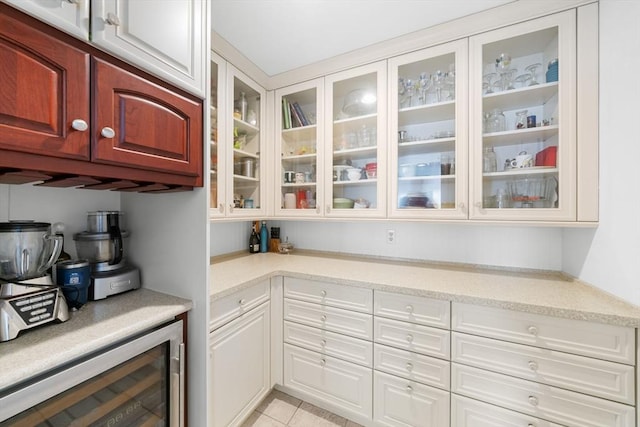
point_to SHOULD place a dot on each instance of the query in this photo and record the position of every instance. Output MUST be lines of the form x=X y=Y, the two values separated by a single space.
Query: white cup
x=289 y=201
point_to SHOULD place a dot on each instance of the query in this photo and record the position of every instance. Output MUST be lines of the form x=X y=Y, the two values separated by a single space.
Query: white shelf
x=524 y=172
x=520 y=136
x=520 y=98
x=427 y=145
x=427 y=113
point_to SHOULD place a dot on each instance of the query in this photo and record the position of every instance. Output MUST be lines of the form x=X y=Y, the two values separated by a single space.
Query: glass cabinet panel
x=356 y=137
x=216 y=150
x=245 y=188
x=428 y=132
x=299 y=171
x=524 y=123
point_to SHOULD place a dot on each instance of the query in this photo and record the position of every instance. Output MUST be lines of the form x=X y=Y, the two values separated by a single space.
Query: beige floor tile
x=352 y=424
x=279 y=406
x=308 y=415
x=261 y=420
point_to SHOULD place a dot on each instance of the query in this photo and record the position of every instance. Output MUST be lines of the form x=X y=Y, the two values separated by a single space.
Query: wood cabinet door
x=44 y=90
x=140 y=124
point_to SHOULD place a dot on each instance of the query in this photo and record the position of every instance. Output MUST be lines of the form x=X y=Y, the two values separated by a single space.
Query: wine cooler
x=139 y=382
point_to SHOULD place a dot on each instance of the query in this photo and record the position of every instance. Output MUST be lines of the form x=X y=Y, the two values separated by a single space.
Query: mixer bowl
x=27 y=249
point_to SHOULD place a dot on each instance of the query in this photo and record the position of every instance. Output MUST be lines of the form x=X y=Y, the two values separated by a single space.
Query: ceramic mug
x=299 y=178
x=289 y=177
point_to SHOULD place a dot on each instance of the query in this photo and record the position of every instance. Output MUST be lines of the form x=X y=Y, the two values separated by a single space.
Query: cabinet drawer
x=348 y=297
x=608 y=342
x=600 y=378
x=225 y=309
x=329 y=318
x=398 y=402
x=343 y=384
x=424 y=311
x=539 y=400
x=471 y=413
x=412 y=337
x=412 y=366
x=341 y=346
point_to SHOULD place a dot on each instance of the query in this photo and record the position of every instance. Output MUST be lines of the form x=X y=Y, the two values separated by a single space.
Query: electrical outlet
x=391 y=236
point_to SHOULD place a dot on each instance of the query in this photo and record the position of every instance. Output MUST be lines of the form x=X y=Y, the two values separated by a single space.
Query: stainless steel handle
x=323 y=343
x=323 y=362
x=79 y=125
x=323 y=293
x=409 y=366
x=323 y=318
x=242 y=301
x=107 y=132
x=533 y=365
x=409 y=338
x=409 y=308
x=112 y=19
x=533 y=330
x=409 y=388
x=533 y=400
x=177 y=398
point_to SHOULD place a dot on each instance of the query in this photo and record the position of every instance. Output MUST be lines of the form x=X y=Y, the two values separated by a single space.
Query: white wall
x=608 y=256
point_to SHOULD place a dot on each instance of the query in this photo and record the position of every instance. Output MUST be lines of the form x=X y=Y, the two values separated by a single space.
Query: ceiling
x=281 y=35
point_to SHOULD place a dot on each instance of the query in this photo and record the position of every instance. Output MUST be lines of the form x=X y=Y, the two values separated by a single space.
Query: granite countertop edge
x=611 y=310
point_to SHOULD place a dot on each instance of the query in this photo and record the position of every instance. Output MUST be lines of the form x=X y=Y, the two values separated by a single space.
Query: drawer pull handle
x=221 y=208
x=323 y=362
x=409 y=366
x=242 y=301
x=323 y=293
x=533 y=365
x=323 y=343
x=409 y=338
x=107 y=132
x=112 y=19
x=533 y=330
x=409 y=389
x=409 y=308
x=533 y=400
x=79 y=125
x=323 y=318
x=530 y=425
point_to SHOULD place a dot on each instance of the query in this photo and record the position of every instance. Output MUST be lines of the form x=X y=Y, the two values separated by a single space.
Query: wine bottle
x=264 y=237
x=254 y=241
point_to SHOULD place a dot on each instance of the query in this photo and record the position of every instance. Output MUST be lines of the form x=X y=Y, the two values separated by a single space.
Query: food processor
x=28 y=296
x=102 y=245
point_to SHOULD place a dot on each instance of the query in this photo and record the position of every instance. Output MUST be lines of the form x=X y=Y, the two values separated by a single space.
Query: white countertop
x=542 y=293
x=96 y=325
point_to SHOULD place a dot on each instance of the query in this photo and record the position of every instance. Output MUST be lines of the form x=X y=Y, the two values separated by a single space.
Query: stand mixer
x=28 y=296
x=102 y=245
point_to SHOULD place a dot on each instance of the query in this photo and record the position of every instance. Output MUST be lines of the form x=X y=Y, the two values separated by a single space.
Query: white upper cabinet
x=164 y=38
x=428 y=133
x=355 y=168
x=299 y=149
x=523 y=121
x=71 y=16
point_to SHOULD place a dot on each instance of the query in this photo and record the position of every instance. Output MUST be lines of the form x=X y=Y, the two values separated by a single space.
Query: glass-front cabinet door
x=523 y=121
x=355 y=142
x=217 y=150
x=299 y=149
x=246 y=169
x=428 y=133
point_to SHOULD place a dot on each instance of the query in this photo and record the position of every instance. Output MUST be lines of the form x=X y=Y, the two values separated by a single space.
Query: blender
x=102 y=245
x=28 y=296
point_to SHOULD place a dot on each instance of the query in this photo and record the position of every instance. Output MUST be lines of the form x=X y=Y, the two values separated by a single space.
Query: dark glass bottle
x=254 y=241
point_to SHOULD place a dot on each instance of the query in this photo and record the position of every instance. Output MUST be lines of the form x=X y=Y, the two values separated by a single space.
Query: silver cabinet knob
x=409 y=388
x=533 y=365
x=231 y=207
x=323 y=362
x=79 y=125
x=323 y=318
x=409 y=338
x=531 y=425
x=533 y=400
x=221 y=208
x=323 y=293
x=242 y=301
x=409 y=308
x=533 y=330
x=107 y=132
x=112 y=19
x=73 y=1
x=327 y=209
x=323 y=343
x=409 y=366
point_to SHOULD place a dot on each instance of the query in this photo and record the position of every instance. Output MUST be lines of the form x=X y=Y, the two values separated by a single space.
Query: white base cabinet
x=471 y=413
x=400 y=402
x=240 y=372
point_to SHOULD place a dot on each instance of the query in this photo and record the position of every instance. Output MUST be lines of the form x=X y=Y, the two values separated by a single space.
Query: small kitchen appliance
x=28 y=296
x=102 y=245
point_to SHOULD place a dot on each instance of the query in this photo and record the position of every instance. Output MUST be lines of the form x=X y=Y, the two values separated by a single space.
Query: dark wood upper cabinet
x=138 y=123
x=67 y=110
x=44 y=87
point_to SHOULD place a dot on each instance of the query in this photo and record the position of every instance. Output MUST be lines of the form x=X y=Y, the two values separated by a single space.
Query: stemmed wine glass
x=522 y=80
x=410 y=90
x=401 y=91
x=503 y=68
x=424 y=83
x=487 y=82
x=532 y=69
x=438 y=83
